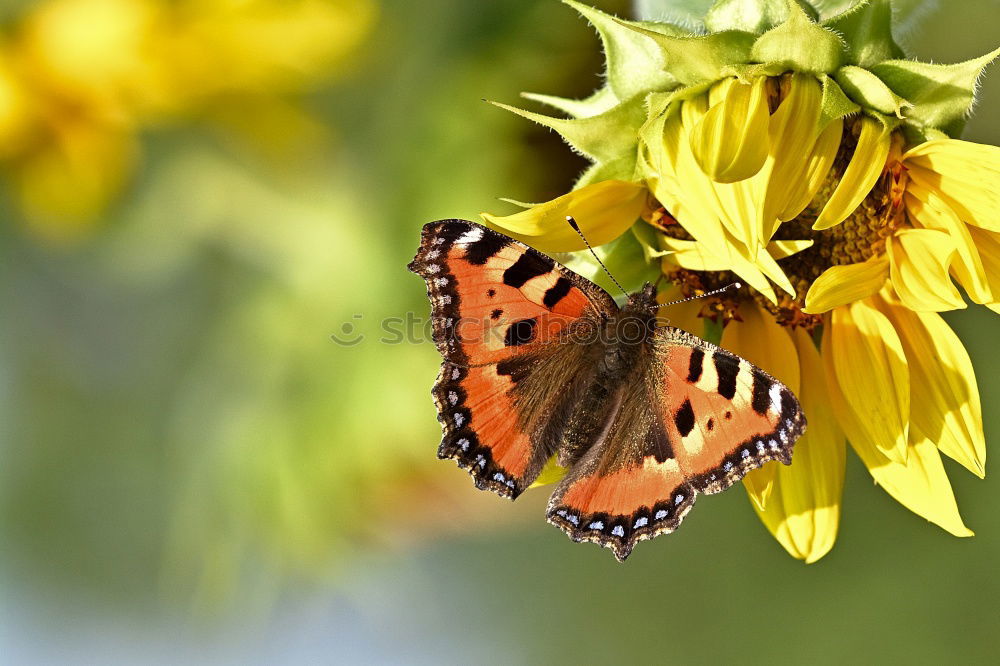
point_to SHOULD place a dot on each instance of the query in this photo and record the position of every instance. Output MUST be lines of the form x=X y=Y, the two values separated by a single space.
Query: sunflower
x=805 y=156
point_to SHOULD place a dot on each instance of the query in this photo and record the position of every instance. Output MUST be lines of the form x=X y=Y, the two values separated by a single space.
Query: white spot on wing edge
x=618 y=531
x=471 y=236
x=775 y=394
x=641 y=521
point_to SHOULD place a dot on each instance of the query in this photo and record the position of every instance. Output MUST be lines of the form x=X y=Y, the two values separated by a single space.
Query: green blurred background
x=197 y=195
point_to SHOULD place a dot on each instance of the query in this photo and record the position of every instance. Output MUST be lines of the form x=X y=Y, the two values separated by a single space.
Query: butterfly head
x=643 y=300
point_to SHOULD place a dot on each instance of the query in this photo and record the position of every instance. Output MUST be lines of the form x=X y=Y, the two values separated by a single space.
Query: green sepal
x=603 y=99
x=867 y=29
x=754 y=16
x=602 y=138
x=679 y=12
x=648 y=237
x=800 y=44
x=634 y=64
x=694 y=60
x=835 y=103
x=917 y=135
x=622 y=168
x=748 y=72
x=870 y=91
x=889 y=123
x=942 y=95
x=658 y=103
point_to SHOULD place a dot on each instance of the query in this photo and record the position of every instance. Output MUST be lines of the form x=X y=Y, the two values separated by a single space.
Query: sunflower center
x=858 y=238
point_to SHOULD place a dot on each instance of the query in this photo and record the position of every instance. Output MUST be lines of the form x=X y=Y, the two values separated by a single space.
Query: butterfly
x=541 y=362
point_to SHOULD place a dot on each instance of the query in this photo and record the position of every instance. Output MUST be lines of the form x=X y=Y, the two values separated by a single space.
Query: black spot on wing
x=761 y=400
x=520 y=332
x=695 y=365
x=496 y=314
x=711 y=424
x=529 y=265
x=557 y=292
x=684 y=419
x=479 y=252
x=727 y=367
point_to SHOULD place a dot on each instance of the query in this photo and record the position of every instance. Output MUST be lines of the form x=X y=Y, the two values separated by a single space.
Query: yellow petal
x=929 y=210
x=553 y=472
x=944 y=396
x=860 y=175
x=781 y=249
x=692 y=255
x=919 y=260
x=760 y=340
x=803 y=510
x=921 y=485
x=793 y=131
x=604 y=211
x=866 y=363
x=701 y=256
x=766 y=263
x=804 y=189
x=988 y=246
x=730 y=141
x=708 y=204
x=964 y=173
x=840 y=285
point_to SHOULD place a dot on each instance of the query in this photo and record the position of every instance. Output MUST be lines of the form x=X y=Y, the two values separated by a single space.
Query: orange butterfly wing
x=693 y=419
x=495 y=304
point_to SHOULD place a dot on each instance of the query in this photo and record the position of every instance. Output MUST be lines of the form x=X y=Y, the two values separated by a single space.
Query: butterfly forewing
x=499 y=313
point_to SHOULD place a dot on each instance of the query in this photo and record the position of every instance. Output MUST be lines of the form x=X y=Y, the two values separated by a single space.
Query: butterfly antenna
x=732 y=285
x=576 y=228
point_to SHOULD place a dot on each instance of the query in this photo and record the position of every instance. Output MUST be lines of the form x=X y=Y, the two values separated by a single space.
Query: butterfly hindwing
x=726 y=415
x=498 y=311
x=629 y=486
x=693 y=418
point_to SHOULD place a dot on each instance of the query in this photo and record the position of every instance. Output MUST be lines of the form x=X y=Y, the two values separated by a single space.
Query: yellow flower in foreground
x=806 y=158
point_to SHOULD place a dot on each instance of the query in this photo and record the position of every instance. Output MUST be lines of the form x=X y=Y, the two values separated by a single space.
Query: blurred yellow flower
x=81 y=79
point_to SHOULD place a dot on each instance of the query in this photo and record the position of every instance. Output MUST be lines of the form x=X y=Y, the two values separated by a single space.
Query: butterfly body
x=540 y=362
